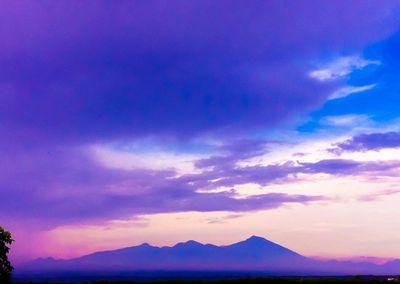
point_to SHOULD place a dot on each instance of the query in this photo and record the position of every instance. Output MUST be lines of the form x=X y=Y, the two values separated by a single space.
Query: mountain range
x=253 y=256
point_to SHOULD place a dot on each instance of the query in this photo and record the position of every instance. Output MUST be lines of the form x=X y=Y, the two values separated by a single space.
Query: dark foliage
x=5 y=265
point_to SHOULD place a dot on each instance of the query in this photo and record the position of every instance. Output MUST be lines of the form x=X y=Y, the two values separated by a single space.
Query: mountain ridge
x=255 y=254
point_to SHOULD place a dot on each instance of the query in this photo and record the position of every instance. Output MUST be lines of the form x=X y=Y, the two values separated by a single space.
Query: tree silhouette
x=5 y=265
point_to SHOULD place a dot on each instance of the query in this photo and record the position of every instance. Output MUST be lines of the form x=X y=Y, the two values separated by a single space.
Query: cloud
x=78 y=189
x=342 y=67
x=378 y=195
x=158 y=160
x=69 y=186
x=349 y=167
x=349 y=90
x=126 y=70
x=350 y=120
x=371 y=141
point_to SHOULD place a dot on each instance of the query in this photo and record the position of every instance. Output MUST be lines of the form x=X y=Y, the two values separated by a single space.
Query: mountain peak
x=257 y=243
x=256 y=239
x=189 y=243
x=192 y=242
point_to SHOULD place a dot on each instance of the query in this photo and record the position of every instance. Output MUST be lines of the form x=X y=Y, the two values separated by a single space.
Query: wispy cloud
x=349 y=90
x=341 y=67
x=378 y=195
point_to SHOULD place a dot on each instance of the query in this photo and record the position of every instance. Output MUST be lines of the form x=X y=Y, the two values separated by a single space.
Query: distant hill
x=253 y=256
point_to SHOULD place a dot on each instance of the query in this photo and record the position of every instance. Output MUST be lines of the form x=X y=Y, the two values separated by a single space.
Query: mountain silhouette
x=254 y=255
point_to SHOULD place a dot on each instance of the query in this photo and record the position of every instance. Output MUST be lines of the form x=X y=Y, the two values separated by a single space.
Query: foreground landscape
x=258 y=280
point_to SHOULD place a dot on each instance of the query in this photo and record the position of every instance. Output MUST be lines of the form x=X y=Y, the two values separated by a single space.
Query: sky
x=125 y=122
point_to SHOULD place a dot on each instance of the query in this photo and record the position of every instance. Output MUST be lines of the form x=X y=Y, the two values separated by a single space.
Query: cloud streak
x=371 y=141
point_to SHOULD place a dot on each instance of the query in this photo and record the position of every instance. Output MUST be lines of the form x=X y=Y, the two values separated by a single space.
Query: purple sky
x=118 y=111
